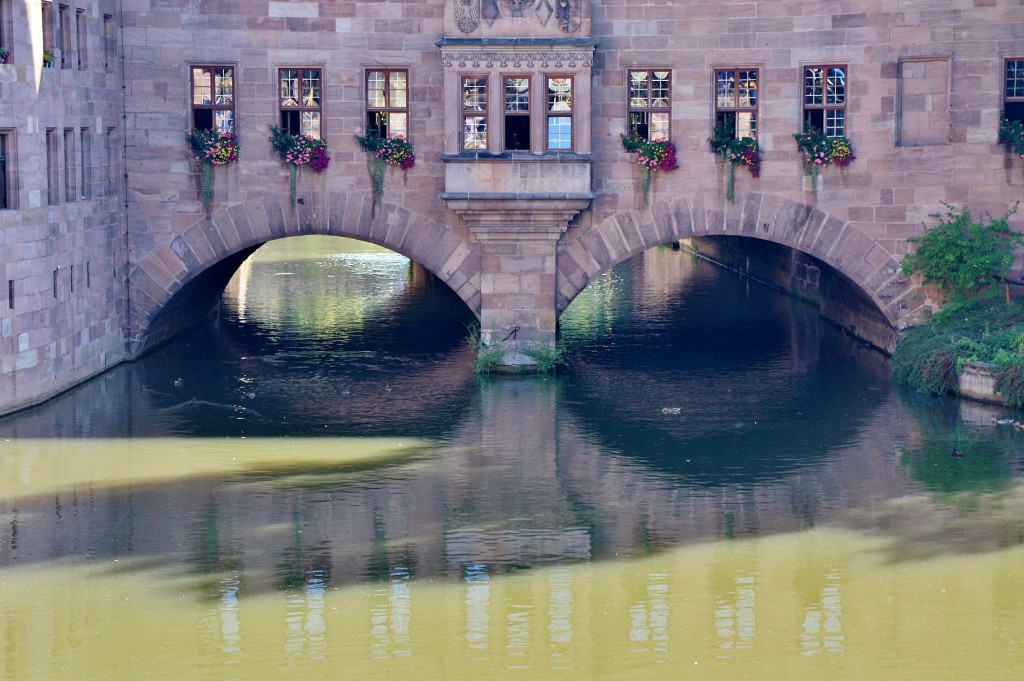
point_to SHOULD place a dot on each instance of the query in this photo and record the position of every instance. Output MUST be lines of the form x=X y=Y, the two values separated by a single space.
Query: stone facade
x=516 y=234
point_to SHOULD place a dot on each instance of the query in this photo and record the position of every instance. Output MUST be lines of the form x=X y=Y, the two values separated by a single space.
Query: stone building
x=522 y=190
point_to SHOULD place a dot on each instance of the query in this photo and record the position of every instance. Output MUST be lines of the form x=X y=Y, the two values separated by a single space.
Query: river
x=718 y=486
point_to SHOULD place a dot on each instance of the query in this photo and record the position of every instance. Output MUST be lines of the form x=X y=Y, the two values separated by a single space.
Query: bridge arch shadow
x=859 y=258
x=178 y=284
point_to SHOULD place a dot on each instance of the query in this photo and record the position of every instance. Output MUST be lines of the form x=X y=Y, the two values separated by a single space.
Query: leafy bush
x=962 y=256
x=983 y=329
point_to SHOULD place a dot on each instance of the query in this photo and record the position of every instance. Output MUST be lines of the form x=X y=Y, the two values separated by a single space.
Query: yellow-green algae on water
x=46 y=466
x=823 y=604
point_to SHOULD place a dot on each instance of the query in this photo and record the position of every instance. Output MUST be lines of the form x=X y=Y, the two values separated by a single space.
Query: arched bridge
x=521 y=277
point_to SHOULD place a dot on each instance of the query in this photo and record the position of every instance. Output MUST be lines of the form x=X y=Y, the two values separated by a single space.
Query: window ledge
x=518 y=157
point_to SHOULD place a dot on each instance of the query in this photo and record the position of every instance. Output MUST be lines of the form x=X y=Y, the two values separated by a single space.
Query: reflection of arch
x=177 y=284
x=839 y=244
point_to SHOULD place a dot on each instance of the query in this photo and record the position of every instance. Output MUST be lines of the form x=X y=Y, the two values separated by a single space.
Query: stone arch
x=170 y=285
x=838 y=243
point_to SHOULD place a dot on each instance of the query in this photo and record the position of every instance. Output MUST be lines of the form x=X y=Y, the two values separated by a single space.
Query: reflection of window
x=387 y=103
x=736 y=102
x=517 y=113
x=825 y=99
x=301 y=97
x=474 y=112
x=1013 y=90
x=559 y=112
x=213 y=98
x=650 y=104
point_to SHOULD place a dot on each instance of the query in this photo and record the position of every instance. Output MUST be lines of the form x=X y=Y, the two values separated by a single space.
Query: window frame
x=550 y=114
x=516 y=113
x=634 y=113
x=1013 y=105
x=7 y=175
x=825 y=107
x=480 y=128
x=301 y=107
x=70 y=167
x=381 y=114
x=81 y=38
x=213 y=107
x=724 y=111
x=64 y=39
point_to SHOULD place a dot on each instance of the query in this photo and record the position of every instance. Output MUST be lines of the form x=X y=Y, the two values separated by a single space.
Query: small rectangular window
x=111 y=159
x=824 y=89
x=65 y=36
x=517 y=113
x=5 y=26
x=474 y=113
x=49 y=28
x=85 y=149
x=387 y=103
x=650 y=104
x=81 y=39
x=301 y=97
x=736 y=102
x=69 y=165
x=213 y=98
x=52 y=184
x=109 y=42
x=7 y=170
x=1013 y=90
x=559 y=113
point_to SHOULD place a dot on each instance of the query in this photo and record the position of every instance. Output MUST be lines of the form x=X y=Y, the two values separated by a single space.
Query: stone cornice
x=517 y=52
x=518 y=60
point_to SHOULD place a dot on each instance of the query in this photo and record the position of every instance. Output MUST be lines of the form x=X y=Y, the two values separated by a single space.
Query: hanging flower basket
x=5 y=55
x=734 y=151
x=820 y=151
x=1011 y=135
x=298 y=151
x=212 y=148
x=383 y=152
x=650 y=156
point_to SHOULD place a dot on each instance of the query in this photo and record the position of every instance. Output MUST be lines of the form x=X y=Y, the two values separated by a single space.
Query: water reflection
x=329 y=484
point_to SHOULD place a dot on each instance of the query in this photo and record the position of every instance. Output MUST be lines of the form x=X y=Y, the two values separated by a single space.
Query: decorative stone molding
x=566 y=14
x=519 y=59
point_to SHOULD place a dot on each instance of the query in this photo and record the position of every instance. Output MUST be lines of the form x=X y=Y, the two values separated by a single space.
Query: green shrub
x=962 y=256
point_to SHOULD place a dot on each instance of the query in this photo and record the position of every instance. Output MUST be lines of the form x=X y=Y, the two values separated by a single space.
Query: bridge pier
x=518 y=271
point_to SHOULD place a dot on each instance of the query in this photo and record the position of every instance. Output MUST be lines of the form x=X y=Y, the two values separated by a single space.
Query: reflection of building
x=521 y=193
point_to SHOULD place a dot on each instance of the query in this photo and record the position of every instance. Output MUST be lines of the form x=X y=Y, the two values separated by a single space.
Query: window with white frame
x=301 y=101
x=387 y=103
x=736 y=102
x=650 y=103
x=559 y=113
x=824 y=102
x=1013 y=89
x=474 y=113
x=213 y=98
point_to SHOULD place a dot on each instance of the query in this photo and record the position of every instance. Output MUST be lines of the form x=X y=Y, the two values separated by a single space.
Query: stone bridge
x=178 y=283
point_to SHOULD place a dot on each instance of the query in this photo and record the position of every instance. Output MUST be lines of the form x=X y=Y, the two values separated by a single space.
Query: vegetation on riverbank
x=964 y=258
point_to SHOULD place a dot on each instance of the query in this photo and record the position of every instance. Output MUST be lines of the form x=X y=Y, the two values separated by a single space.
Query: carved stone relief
x=566 y=13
